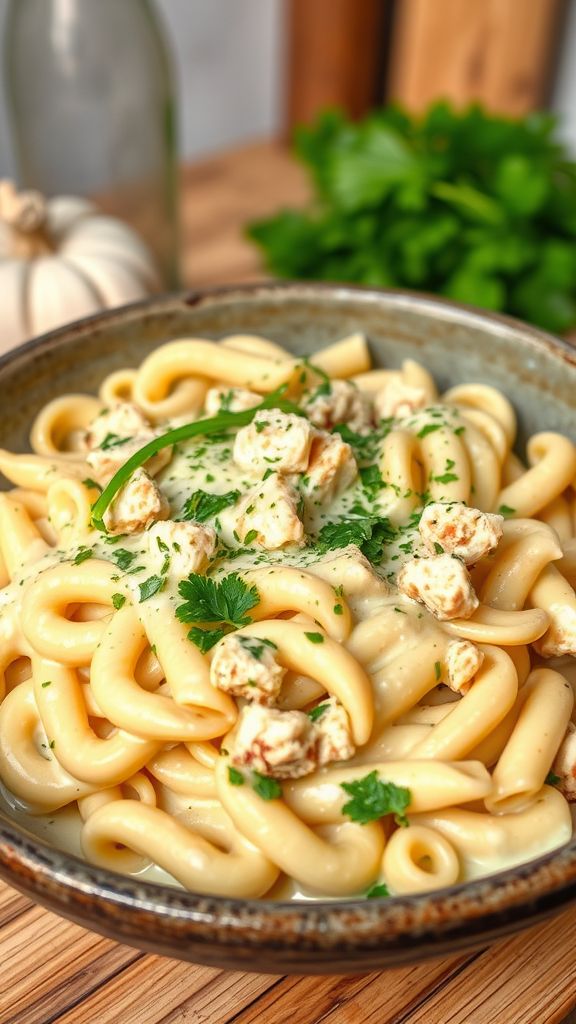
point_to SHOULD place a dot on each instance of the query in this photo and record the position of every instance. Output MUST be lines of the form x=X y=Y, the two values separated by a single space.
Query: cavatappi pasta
x=319 y=644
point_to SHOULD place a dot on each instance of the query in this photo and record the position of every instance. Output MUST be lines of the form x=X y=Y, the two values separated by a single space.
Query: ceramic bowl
x=538 y=373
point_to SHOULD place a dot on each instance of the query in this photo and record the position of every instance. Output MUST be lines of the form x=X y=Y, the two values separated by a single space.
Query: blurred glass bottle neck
x=92 y=111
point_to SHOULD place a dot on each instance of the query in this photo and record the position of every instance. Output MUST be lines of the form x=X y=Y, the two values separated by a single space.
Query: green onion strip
x=200 y=428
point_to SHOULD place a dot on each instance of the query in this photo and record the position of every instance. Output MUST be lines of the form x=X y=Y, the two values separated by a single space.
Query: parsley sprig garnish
x=202 y=505
x=373 y=799
x=200 y=428
x=369 y=533
x=224 y=602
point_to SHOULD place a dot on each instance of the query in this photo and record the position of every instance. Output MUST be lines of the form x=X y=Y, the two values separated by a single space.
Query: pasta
x=286 y=628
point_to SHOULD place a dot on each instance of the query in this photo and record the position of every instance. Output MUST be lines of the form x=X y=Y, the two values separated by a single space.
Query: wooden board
x=497 y=51
x=334 y=50
x=53 y=972
x=219 y=197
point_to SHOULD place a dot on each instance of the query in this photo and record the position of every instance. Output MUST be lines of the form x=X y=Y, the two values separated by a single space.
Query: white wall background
x=228 y=60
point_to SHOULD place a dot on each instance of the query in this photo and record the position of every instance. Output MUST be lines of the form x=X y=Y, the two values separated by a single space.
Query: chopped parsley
x=47 y=683
x=123 y=558
x=235 y=778
x=224 y=602
x=437 y=670
x=372 y=799
x=256 y=645
x=205 y=639
x=112 y=441
x=265 y=787
x=89 y=482
x=314 y=638
x=379 y=891
x=372 y=481
x=250 y=536
x=429 y=428
x=315 y=713
x=82 y=555
x=201 y=505
x=369 y=533
x=445 y=478
x=153 y=585
x=552 y=779
x=366 y=446
x=506 y=511
x=118 y=600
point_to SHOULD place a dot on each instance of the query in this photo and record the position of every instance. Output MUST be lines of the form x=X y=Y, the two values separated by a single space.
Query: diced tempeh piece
x=441 y=583
x=334 y=736
x=225 y=399
x=123 y=420
x=271 y=510
x=276 y=440
x=463 y=660
x=281 y=744
x=466 y=532
x=332 y=468
x=398 y=399
x=138 y=504
x=245 y=666
x=188 y=546
x=339 y=401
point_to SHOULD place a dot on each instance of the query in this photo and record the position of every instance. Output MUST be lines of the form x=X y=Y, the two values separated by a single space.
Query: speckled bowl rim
x=278 y=935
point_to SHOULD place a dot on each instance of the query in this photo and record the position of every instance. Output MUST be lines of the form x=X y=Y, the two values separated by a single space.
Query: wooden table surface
x=53 y=972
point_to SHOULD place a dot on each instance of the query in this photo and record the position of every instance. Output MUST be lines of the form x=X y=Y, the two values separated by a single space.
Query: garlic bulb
x=60 y=259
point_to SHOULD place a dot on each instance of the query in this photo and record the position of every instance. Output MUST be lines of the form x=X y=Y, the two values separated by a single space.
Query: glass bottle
x=92 y=111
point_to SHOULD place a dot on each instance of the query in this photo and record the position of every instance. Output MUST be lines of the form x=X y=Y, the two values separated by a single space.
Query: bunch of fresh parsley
x=476 y=207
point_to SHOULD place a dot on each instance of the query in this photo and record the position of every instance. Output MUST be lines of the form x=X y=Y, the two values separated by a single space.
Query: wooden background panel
x=497 y=51
x=334 y=53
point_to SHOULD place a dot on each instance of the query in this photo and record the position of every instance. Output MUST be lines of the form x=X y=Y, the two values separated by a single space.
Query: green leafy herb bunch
x=473 y=206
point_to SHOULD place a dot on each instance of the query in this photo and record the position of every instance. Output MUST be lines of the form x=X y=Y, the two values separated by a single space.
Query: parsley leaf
x=464 y=203
x=377 y=892
x=201 y=505
x=256 y=645
x=89 y=482
x=153 y=585
x=366 y=446
x=445 y=478
x=551 y=779
x=123 y=558
x=205 y=639
x=314 y=638
x=226 y=600
x=370 y=534
x=372 y=481
x=118 y=600
x=506 y=511
x=112 y=441
x=373 y=799
x=82 y=555
x=235 y=778
x=429 y=428
x=315 y=713
x=265 y=787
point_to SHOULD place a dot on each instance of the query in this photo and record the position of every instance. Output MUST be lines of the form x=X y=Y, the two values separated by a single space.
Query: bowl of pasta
x=288 y=626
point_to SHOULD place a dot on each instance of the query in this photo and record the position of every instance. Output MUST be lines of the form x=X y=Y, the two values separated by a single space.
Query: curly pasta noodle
x=281 y=714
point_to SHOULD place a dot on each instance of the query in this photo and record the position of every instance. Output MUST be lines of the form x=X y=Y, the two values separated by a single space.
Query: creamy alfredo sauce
x=206 y=464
